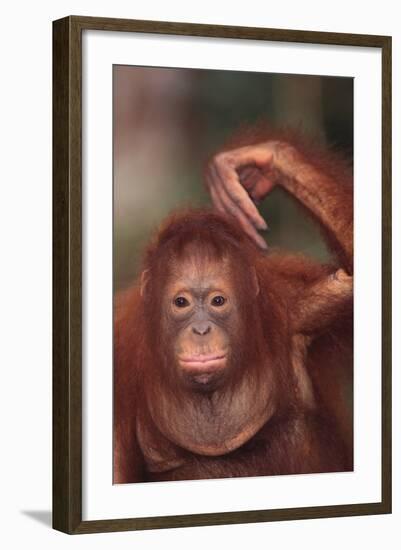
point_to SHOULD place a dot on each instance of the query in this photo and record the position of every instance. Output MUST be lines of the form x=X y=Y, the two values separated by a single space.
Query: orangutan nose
x=201 y=329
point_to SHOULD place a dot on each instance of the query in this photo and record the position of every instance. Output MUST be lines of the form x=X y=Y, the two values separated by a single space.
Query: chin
x=204 y=374
x=205 y=383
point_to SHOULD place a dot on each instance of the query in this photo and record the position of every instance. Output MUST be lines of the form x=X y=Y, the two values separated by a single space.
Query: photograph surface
x=233 y=274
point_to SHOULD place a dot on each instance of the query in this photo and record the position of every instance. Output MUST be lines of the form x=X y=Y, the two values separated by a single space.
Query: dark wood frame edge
x=67 y=275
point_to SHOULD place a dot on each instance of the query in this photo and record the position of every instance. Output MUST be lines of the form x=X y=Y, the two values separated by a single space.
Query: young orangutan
x=231 y=360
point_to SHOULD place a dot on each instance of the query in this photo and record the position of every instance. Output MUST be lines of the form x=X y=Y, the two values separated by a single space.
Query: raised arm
x=239 y=178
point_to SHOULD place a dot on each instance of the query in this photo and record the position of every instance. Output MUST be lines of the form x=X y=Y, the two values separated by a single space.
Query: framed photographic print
x=222 y=269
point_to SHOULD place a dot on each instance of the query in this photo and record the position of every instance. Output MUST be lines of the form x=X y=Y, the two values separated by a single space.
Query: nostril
x=201 y=330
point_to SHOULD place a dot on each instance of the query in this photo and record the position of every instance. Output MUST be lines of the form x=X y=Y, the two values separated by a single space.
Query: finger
x=261 y=189
x=209 y=177
x=223 y=199
x=259 y=155
x=229 y=179
x=217 y=203
x=231 y=208
x=223 y=203
x=248 y=177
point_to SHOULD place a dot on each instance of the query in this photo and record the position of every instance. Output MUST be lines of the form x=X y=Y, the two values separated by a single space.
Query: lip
x=203 y=362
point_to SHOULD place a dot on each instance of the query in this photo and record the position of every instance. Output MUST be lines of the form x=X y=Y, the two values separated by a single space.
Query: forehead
x=196 y=271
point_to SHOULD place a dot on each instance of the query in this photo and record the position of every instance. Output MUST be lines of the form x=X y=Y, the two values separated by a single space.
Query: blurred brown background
x=167 y=122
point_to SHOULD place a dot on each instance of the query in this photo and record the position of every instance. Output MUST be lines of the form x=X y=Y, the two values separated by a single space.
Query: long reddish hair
x=263 y=335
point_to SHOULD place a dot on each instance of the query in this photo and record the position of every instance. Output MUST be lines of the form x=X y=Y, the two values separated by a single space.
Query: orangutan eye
x=180 y=301
x=218 y=301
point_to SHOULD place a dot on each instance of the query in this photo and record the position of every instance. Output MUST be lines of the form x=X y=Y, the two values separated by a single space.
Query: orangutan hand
x=239 y=179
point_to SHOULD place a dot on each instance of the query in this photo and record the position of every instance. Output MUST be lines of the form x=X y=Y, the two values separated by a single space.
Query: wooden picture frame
x=67 y=273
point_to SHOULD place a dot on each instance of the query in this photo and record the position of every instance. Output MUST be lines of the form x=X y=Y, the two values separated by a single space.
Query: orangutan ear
x=144 y=281
x=255 y=282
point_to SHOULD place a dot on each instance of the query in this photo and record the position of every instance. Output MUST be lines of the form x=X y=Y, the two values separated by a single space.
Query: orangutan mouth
x=203 y=362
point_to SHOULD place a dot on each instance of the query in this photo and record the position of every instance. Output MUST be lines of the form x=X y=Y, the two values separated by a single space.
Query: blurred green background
x=167 y=122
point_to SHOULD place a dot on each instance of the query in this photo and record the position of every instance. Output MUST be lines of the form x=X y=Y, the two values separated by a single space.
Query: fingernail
x=262 y=244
